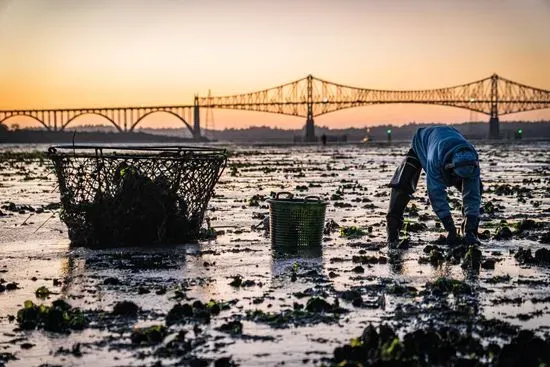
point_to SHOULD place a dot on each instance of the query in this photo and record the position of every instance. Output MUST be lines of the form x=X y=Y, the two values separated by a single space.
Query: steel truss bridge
x=310 y=97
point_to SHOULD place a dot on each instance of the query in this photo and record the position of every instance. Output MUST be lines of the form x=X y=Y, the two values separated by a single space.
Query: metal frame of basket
x=110 y=194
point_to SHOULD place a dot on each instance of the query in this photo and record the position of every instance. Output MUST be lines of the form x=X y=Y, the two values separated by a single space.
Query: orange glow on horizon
x=63 y=54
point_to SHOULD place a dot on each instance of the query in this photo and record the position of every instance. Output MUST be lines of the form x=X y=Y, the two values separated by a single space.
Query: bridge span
x=310 y=97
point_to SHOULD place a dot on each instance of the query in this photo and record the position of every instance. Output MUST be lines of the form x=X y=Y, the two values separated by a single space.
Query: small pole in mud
x=25 y=222
x=46 y=221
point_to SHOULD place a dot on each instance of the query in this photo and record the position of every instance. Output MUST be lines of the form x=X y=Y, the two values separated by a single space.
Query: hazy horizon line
x=386 y=124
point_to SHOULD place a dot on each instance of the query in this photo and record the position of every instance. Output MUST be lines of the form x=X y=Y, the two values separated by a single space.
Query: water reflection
x=291 y=261
x=152 y=267
x=304 y=252
x=471 y=273
x=395 y=261
x=71 y=267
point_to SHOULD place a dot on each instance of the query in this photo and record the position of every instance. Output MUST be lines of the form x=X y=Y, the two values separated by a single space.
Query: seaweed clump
x=472 y=258
x=445 y=286
x=351 y=232
x=197 y=312
x=317 y=310
x=59 y=317
x=148 y=335
x=524 y=256
x=125 y=308
x=436 y=256
x=439 y=346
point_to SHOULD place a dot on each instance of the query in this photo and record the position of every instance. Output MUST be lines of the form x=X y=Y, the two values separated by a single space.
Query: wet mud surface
x=234 y=300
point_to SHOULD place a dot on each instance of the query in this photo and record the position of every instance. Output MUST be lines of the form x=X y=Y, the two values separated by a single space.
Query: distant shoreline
x=33 y=137
x=262 y=135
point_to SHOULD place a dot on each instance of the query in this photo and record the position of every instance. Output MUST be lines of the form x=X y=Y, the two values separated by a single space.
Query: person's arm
x=437 y=191
x=471 y=196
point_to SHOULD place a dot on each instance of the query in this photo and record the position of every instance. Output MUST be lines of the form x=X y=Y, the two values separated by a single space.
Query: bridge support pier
x=310 y=126
x=310 y=130
x=196 y=120
x=494 y=128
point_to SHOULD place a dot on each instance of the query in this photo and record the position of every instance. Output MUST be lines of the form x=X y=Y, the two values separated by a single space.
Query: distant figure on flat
x=324 y=139
x=448 y=160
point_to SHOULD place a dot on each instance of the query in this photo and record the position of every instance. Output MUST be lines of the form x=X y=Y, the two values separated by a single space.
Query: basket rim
x=105 y=149
x=297 y=202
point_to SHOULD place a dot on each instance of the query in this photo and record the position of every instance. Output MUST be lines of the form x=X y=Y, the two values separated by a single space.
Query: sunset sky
x=96 y=53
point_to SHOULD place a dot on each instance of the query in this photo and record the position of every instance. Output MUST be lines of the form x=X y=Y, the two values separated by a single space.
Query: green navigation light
x=520 y=131
x=388 y=131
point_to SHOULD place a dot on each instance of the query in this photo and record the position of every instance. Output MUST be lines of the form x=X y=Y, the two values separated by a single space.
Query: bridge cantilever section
x=122 y=118
x=286 y=99
x=309 y=97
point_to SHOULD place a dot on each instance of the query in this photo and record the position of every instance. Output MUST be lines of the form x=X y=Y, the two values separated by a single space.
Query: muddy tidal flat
x=234 y=300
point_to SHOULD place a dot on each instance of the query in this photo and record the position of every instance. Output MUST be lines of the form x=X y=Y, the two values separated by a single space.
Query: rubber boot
x=449 y=225
x=471 y=225
x=394 y=219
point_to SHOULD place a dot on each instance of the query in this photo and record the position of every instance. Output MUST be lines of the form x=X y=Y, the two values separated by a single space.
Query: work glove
x=449 y=225
x=470 y=230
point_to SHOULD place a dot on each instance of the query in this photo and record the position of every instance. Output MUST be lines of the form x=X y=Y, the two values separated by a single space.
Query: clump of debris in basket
x=140 y=211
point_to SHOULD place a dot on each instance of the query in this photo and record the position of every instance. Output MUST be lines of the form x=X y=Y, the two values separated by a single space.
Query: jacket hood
x=461 y=160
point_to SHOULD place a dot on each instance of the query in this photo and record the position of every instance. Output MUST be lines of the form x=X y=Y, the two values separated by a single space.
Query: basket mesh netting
x=130 y=196
x=296 y=222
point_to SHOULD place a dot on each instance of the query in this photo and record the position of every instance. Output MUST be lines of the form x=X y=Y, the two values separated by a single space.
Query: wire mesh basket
x=296 y=222
x=135 y=195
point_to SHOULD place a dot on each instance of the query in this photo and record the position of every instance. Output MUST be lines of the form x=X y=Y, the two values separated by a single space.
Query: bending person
x=448 y=160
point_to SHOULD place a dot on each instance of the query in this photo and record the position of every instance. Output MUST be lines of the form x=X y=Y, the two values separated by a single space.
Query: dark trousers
x=403 y=184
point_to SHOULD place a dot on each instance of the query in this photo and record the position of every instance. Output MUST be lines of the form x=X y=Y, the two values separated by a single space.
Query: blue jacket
x=435 y=147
